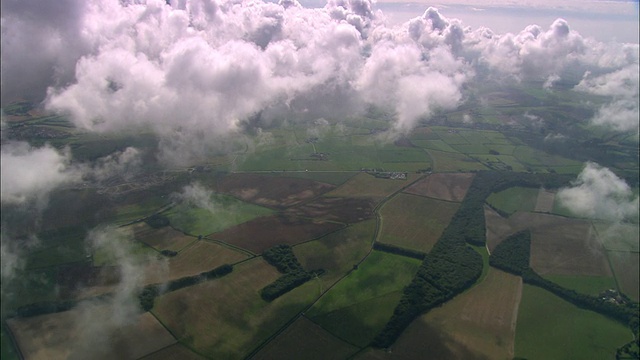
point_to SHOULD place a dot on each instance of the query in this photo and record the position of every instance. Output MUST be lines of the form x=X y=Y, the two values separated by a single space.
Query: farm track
x=376 y=233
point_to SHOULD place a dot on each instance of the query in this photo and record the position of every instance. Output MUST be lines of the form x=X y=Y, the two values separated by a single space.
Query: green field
x=514 y=199
x=337 y=252
x=227 y=211
x=414 y=222
x=590 y=285
x=360 y=323
x=551 y=328
x=374 y=285
x=447 y=162
x=8 y=351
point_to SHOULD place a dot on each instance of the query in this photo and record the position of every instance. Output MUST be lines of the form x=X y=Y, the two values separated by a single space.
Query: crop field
x=272 y=191
x=337 y=252
x=305 y=337
x=66 y=335
x=450 y=187
x=165 y=238
x=591 y=285
x=478 y=324
x=424 y=133
x=453 y=162
x=514 y=199
x=415 y=222
x=225 y=212
x=262 y=233
x=369 y=186
x=626 y=269
x=618 y=236
x=226 y=318
x=544 y=201
x=338 y=209
x=375 y=286
x=201 y=256
x=559 y=246
x=176 y=351
x=551 y=328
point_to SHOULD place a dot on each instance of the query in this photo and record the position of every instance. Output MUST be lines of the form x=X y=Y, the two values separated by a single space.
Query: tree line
x=283 y=259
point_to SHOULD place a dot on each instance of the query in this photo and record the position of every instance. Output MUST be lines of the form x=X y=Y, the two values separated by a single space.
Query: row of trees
x=149 y=293
x=392 y=249
x=283 y=259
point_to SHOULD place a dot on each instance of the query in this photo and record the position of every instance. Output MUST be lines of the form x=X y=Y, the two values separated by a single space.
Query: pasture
x=477 y=324
x=226 y=318
x=514 y=199
x=224 y=212
x=305 y=339
x=262 y=233
x=551 y=328
x=544 y=201
x=449 y=187
x=414 y=222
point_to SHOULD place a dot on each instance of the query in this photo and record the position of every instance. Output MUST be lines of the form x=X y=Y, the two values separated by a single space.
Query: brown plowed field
x=368 y=186
x=271 y=191
x=346 y=210
x=559 y=245
x=262 y=233
x=305 y=339
x=165 y=238
x=450 y=187
x=88 y=333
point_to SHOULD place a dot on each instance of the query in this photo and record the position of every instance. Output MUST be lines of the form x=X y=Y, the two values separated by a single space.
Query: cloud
x=623 y=86
x=203 y=68
x=599 y=193
x=29 y=174
x=101 y=319
x=121 y=163
x=196 y=195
